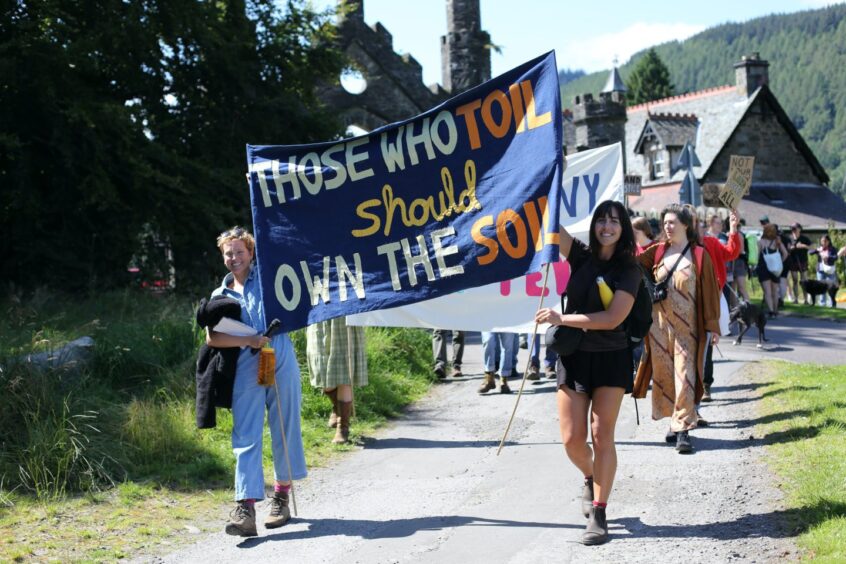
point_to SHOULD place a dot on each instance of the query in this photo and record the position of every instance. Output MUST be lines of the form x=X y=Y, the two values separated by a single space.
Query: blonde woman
x=250 y=400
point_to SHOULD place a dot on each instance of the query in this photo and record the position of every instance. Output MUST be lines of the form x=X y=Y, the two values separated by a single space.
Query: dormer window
x=662 y=139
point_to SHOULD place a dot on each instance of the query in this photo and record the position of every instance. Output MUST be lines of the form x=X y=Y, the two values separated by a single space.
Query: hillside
x=806 y=51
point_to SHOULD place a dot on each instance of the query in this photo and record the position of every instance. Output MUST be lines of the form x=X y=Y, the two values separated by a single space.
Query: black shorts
x=585 y=371
x=764 y=275
x=798 y=266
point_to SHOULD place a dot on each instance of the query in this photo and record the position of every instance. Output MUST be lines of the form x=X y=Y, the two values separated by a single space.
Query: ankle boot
x=683 y=443
x=342 y=431
x=587 y=497
x=503 y=385
x=489 y=383
x=333 y=417
x=596 y=531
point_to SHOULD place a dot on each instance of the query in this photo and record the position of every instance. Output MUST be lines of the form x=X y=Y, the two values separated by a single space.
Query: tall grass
x=129 y=416
x=64 y=431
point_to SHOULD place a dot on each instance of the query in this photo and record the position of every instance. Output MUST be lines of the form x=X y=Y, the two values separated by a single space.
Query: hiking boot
x=242 y=520
x=534 y=373
x=701 y=422
x=503 y=386
x=706 y=395
x=587 y=497
x=683 y=444
x=670 y=437
x=456 y=372
x=489 y=383
x=596 y=531
x=440 y=373
x=279 y=511
x=550 y=373
x=333 y=417
x=342 y=431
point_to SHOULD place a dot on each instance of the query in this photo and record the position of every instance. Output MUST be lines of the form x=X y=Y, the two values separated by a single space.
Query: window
x=657 y=163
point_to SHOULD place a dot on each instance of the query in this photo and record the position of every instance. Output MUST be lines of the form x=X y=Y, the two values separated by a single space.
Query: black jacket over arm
x=215 y=366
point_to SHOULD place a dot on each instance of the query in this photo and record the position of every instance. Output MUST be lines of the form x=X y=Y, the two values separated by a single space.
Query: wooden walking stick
x=526 y=371
x=285 y=443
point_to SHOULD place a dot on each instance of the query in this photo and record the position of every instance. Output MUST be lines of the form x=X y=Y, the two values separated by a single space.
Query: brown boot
x=503 y=385
x=333 y=417
x=489 y=383
x=242 y=520
x=279 y=511
x=342 y=431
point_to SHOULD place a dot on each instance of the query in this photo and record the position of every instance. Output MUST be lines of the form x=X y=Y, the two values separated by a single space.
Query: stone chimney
x=751 y=73
x=465 y=49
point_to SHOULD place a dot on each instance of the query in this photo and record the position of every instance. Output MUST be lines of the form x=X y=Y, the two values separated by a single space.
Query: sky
x=585 y=35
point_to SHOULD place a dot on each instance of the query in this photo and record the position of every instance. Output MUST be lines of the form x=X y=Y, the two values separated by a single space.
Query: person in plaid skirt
x=337 y=360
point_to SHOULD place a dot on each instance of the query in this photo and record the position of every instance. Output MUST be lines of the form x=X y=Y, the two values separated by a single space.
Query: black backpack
x=640 y=317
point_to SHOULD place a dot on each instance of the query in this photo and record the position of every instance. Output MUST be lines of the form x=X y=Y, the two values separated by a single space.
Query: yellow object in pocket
x=605 y=293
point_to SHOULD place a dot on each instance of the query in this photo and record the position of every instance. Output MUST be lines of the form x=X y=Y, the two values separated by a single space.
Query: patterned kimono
x=674 y=338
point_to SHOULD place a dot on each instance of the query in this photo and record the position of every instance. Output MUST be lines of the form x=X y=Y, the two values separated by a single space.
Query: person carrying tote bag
x=770 y=249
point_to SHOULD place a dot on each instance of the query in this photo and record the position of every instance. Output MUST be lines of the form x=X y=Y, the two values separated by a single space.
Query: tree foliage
x=123 y=125
x=650 y=80
x=805 y=51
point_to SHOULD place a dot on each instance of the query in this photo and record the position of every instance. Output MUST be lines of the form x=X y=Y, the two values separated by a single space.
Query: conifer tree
x=650 y=80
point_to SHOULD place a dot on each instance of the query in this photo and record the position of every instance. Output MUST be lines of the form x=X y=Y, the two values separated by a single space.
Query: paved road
x=430 y=487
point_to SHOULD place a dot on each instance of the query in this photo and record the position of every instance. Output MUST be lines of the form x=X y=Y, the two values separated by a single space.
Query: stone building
x=789 y=184
x=393 y=88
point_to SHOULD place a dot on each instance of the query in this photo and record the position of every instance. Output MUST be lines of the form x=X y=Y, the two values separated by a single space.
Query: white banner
x=590 y=177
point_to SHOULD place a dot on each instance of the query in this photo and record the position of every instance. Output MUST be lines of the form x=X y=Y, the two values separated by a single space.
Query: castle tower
x=601 y=122
x=751 y=73
x=465 y=49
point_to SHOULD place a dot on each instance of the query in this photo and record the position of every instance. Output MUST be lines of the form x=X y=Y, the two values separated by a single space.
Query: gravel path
x=430 y=487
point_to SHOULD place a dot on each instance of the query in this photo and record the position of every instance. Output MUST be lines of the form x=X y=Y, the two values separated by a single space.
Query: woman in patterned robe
x=682 y=324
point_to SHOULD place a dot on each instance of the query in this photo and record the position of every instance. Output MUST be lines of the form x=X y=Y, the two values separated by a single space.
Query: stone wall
x=465 y=49
x=395 y=89
x=777 y=158
x=599 y=122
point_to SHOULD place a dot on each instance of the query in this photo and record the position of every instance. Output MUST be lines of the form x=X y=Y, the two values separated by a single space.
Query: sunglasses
x=237 y=232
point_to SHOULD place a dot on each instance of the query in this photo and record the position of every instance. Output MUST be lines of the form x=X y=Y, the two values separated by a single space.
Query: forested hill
x=807 y=55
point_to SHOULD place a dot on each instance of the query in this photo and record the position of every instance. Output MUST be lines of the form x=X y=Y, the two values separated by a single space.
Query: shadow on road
x=405 y=442
x=776 y=524
x=393 y=528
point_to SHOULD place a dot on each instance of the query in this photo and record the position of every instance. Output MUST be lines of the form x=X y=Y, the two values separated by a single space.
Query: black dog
x=747 y=314
x=816 y=288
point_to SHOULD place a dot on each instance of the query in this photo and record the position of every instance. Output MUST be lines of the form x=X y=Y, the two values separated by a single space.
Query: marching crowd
x=694 y=275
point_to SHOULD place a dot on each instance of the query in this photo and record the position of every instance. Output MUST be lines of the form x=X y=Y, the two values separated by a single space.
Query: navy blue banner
x=464 y=195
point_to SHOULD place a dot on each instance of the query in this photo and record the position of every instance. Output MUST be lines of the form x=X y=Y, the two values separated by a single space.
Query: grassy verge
x=104 y=463
x=804 y=425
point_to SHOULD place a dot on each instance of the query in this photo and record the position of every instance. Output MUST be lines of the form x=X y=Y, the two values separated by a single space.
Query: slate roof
x=672 y=130
x=812 y=205
x=718 y=111
x=615 y=82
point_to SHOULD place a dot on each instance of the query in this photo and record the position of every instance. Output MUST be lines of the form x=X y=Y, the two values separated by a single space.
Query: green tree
x=123 y=125
x=650 y=80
